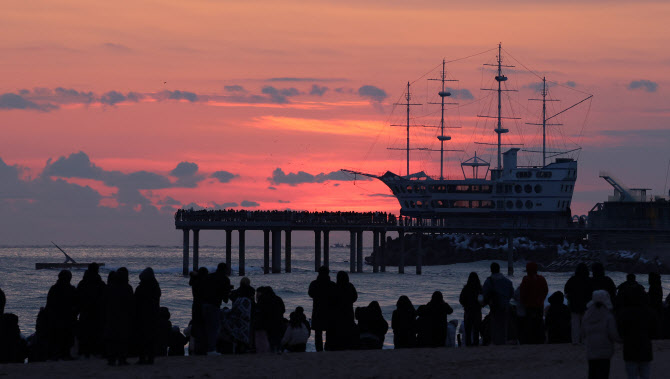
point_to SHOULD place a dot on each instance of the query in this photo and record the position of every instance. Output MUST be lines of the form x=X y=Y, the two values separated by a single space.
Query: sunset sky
x=115 y=114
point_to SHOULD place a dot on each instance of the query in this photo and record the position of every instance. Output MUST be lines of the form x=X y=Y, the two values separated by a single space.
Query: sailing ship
x=534 y=194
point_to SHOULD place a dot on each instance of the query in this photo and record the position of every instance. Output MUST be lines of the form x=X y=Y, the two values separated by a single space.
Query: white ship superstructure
x=508 y=189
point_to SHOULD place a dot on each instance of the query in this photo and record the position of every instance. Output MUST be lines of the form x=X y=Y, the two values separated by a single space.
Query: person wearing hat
x=599 y=333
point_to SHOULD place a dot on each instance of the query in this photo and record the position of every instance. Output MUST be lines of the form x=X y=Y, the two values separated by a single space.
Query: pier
x=378 y=224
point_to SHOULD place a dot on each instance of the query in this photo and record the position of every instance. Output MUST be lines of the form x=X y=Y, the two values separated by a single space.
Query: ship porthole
x=538 y=188
x=529 y=204
x=528 y=188
x=517 y=188
x=519 y=204
x=510 y=204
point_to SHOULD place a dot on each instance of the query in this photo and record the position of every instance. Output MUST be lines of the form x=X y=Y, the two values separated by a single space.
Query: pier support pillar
x=401 y=260
x=352 y=251
x=196 y=249
x=266 y=251
x=276 y=251
x=375 y=251
x=419 y=254
x=317 y=250
x=326 y=248
x=186 y=243
x=287 y=250
x=359 y=252
x=510 y=255
x=241 y=243
x=382 y=252
x=229 y=251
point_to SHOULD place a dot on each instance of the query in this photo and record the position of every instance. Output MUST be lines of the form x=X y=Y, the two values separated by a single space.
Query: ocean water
x=26 y=288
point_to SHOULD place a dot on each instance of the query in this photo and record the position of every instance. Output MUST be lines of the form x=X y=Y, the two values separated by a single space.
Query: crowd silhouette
x=111 y=320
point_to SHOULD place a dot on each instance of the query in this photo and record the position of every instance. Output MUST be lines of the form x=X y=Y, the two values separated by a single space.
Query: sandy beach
x=539 y=361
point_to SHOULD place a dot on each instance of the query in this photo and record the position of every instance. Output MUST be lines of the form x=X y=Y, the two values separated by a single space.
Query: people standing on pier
x=497 y=291
x=341 y=326
x=61 y=316
x=557 y=319
x=600 y=281
x=90 y=293
x=215 y=292
x=321 y=291
x=470 y=298
x=372 y=327
x=403 y=322
x=119 y=317
x=637 y=327
x=198 y=283
x=533 y=290
x=578 y=290
x=434 y=314
x=599 y=332
x=147 y=301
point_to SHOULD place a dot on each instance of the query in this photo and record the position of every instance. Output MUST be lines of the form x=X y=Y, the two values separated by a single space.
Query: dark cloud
x=227 y=205
x=169 y=201
x=112 y=97
x=318 y=90
x=69 y=95
x=571 y=83
x=463 y=93
x=184 y=169
x=380 y=195
x=344 y=90
x=643 y=84
x=279 y=95
x=249 y=204
x=234 y=88
x=182 y=95
x=295 y=79
x=10 y=101
x=134 y=96
x=272 y=188
x=373 y=93
x=280 y=177
x=117 y=47
x=76 y=165
x=283 y=201
x=224 y=176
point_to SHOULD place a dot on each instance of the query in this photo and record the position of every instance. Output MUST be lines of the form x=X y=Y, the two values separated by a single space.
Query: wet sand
x=540 y=361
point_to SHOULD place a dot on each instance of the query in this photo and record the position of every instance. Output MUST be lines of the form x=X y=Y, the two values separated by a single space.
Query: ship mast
x=408 y=97
x=544 y=119
x=443 y=93
x=500 y=78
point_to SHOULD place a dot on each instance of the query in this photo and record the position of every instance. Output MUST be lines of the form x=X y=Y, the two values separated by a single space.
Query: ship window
x=475 y=189
x=486 y=204
x=423 y=188
x=510 y=204
x=499 y=188
x=519 y=204
x=529 y=204
x=500 y=204
x=523 y=174
x=416 y=188
x=409 y=189
x=474 y=204
x=419 y=203
x=538 y=188
x=462 y=188
x=487 y=189
x=528 y=188
x=461 y=204
x=562 y=187
x=411 y=204
x=543 y=174
x=518 y=188
x=406 y=204
x=508 y=188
